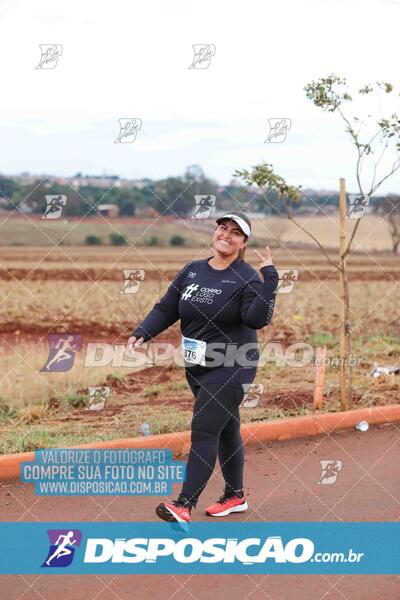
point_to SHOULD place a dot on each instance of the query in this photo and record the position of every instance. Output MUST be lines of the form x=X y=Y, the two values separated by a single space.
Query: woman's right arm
x=163 y=314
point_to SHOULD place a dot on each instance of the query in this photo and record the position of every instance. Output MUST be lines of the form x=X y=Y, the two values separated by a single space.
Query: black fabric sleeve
x=258 y=299
x=164 y=313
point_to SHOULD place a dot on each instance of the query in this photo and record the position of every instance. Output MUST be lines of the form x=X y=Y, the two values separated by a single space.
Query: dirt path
x=114 y=274
x=280 y=481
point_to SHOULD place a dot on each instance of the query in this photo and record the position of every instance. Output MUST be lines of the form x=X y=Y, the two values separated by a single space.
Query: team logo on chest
x=189 y=291
x=203 y=295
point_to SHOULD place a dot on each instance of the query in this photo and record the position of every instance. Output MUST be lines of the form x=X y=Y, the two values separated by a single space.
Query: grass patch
x=33 y=414
x=7 y=413
x=322 y=339
x=167 y=422
x=178 y=386
x=373 y=346
x=28 y=439
x=27 y=434
x=152 y=391
x=74 y=400
x=113 y=377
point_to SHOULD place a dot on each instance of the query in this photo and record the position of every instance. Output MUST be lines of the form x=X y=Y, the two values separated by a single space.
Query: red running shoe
x=226 y=505
x=174 y=511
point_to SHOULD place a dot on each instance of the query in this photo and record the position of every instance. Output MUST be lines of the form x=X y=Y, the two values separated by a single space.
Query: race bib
x=194 y=351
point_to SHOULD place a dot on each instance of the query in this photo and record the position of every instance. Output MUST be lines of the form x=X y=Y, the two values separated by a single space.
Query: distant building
x=101 y=181
x=108 y=210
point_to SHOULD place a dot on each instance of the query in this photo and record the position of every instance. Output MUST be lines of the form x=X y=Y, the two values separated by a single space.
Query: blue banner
x=108 y=472
x=219 y=548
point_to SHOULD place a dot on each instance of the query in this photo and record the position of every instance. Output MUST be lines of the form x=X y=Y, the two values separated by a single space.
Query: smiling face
x=228 y=238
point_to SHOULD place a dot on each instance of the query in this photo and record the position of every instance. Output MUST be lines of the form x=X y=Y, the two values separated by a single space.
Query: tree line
x=172 y=196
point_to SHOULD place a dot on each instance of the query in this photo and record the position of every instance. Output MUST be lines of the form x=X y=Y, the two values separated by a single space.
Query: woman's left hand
x=266 y=259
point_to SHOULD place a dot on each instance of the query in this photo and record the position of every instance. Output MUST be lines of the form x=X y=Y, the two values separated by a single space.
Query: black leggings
x=215 y=431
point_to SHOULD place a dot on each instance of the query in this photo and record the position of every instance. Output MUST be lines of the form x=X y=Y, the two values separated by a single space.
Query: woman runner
x=221 y=301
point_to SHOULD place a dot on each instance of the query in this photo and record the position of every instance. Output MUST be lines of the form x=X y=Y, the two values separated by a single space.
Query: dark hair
x=243 y=250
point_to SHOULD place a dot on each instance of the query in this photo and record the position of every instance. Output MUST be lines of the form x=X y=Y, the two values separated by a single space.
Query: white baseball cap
x=240 y=219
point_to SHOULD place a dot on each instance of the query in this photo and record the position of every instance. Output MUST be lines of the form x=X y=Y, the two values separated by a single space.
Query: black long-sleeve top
x=217 y=306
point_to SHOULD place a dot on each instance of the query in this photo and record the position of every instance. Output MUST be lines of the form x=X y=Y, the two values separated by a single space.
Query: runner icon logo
x=63 y=543
x=329 y=471
x=63 y=347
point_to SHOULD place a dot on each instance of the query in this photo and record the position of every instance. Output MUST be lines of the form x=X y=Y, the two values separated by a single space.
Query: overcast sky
x=131 y=59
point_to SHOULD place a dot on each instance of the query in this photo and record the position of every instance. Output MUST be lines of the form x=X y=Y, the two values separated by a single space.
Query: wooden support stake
x=342 y=261
x=319 y=377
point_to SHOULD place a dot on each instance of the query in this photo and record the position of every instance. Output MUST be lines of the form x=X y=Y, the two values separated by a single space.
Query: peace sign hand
x=133 y=343
x=266 y=260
